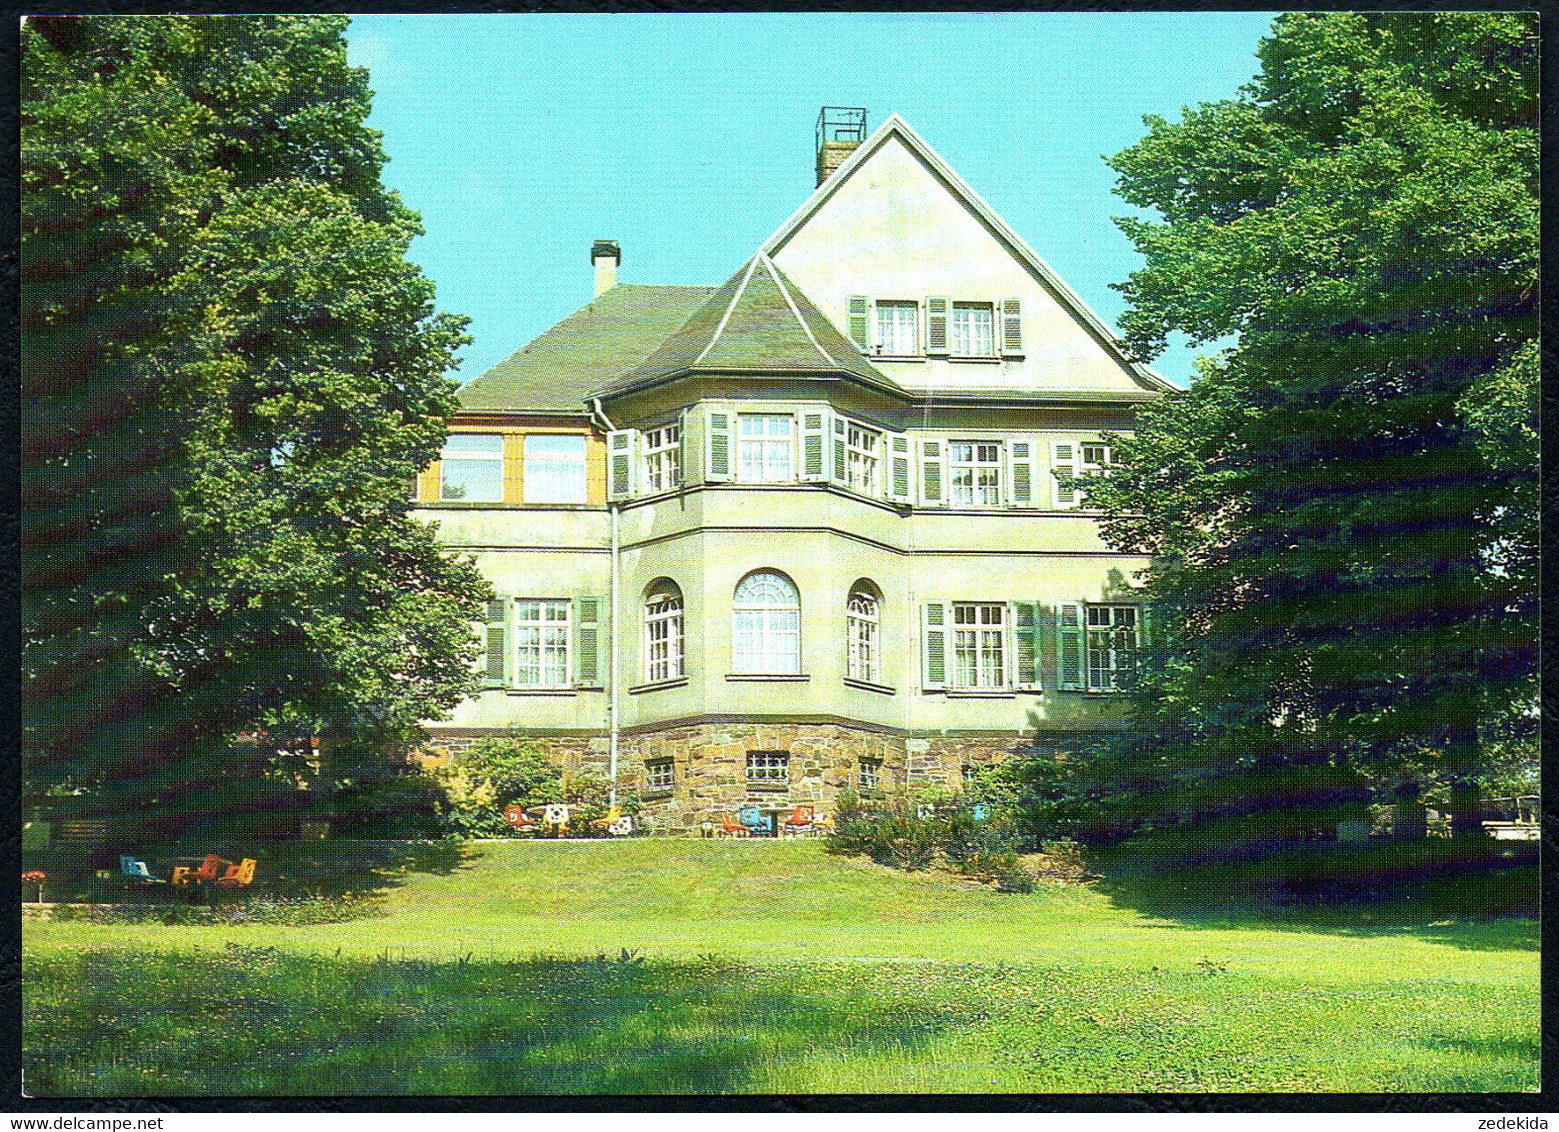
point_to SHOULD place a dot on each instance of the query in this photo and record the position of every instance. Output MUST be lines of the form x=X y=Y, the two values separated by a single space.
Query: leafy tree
x=1341 y=509
x=231 y=374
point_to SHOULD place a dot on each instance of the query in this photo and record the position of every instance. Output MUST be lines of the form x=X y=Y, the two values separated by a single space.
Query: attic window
x=898 y=331
x=554 y=468
x=973 y=330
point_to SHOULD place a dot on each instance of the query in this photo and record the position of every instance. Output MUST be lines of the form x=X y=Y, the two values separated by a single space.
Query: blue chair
x=981 y=811
x=137 y=870
x=757 y=823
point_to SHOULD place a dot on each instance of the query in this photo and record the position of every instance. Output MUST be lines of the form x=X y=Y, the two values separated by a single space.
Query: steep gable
x=896 y=223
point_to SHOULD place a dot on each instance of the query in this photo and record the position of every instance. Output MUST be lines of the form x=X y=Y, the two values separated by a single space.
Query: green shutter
x=934 y=644
x=1025 y=645
x=1063 y=463
x=841 y=470
x=620 y=452
x=1011 y=328
x=587 y=642
x=936 y=324
x=495 y=664
x=860 y=325
x=717 y=438
x=898 y=482
x=1069 y=647
x=1020 y=473
x=813 y=439
x=933 y=467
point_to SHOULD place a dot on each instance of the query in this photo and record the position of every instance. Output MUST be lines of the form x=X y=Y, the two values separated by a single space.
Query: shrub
x=293 y=911
x=495 y=773
x=924 y=823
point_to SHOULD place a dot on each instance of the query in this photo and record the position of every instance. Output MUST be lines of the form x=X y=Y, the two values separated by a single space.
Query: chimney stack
x=605 y=255
x=840 y=131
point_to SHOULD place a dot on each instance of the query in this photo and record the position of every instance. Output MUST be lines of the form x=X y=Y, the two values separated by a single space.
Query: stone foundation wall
x=709 y=764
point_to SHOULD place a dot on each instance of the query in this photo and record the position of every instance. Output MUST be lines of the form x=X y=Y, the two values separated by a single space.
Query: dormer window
x=898 y=328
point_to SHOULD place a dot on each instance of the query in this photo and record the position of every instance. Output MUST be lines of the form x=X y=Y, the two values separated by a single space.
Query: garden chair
x=518 y=818
x=823 y=823
x=799 y=822
x=757 y=822
x=622 y=827
x=613 y=816
x=981 y=811
x=240 y=875
x=209 y=870
x=555 y=817
x=731 y=827
x=137 y=870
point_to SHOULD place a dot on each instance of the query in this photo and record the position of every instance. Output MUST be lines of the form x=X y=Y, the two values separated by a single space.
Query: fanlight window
x=663 y=637
x=863 y=616
x=767 y=625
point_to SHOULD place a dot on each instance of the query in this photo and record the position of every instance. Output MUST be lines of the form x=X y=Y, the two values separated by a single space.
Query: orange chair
x=209 y=870
x=799 y=822
x=240 y=875
x=731 y=827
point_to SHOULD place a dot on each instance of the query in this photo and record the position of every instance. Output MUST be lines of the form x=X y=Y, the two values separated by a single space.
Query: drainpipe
x=611 y=709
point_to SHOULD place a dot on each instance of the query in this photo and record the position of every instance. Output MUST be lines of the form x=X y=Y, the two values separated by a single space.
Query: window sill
x=541 y=691
x=980 y=693
x=659 y=794
x=896 y=357
x=871 y=686
x=976 y=359
x=767 y=677
x=658 y=685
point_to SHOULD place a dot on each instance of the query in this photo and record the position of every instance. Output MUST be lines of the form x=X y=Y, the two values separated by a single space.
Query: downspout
x=611 y=702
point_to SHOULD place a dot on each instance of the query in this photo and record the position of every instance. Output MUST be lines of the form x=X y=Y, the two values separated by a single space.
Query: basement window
x=768 y=767
x=659 y=774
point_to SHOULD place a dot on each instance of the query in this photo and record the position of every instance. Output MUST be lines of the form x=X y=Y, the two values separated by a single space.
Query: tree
x=231 y=375
x=1341 y=509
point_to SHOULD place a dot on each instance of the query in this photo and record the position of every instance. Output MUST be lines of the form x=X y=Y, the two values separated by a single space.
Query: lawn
x=650 y=966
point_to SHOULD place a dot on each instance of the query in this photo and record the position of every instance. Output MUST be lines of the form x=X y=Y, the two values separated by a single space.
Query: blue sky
x=688 y=137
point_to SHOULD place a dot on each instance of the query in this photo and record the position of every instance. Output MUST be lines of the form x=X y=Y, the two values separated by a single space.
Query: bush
x=494 y=774
x=919 y=826
x=294 y=911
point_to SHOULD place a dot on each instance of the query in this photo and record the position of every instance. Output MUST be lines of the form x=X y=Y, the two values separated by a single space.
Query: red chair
x=209 y=871
x=517 y=817
x=731 y=827
x=240 y=875
x=799 y=822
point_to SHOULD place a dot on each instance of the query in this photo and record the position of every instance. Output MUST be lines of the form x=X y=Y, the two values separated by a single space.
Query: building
x=759 y=542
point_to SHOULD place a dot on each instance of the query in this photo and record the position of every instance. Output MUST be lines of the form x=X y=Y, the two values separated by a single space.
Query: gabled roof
x=897 y=127
x=596 y=344
x=758 y=322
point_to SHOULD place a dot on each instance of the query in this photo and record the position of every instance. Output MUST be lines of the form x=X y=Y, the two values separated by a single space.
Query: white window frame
x=962 y=331
x=663 y=457
x=981 y=647
x=446 y=458
x=869 y=779
x=538 y=631
x=896 y=328
x=1084 y=447
x=765 y=456
x=863 y=624
x=664 y=640
x=1108 y=652
x=577 y=487
x=863 y=458
x=766 y=633
x=655 y=779
x=768 y=767
x=979 y=462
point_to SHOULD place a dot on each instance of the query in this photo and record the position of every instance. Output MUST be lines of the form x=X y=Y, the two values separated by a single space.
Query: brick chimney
x=840 y=131
x=605 y=255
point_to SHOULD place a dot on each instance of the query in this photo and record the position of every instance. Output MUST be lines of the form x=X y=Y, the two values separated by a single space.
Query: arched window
x=767 y=624
x=863 y=620
x=663 y=635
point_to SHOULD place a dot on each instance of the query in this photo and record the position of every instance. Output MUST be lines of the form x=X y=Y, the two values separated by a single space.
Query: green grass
x=771 y=968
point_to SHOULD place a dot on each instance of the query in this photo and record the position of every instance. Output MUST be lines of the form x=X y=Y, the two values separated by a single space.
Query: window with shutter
x=496 y=652
x=934 y=644
x=543 y=641
x=860 y=322
x=936 y=325
x=1063 y=463
x=1011 y=327
x=717 y=446
x=587 y=642
x=1069 y=647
